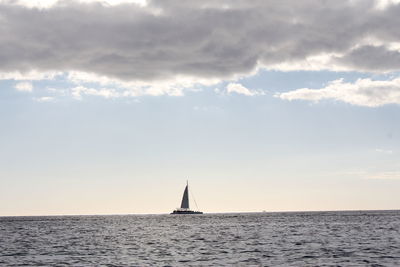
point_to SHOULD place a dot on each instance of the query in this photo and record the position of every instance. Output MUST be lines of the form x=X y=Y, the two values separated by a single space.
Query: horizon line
x=205 y=213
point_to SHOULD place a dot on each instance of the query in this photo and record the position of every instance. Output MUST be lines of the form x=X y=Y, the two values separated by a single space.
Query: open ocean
x=350 y=238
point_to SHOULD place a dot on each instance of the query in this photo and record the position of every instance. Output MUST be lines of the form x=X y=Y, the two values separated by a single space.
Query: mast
x=185 y=198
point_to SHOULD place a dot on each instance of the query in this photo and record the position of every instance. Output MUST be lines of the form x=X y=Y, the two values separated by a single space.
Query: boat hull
x=186 y=212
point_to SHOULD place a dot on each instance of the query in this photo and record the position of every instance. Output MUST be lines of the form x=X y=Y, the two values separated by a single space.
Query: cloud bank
x=364 y=92
x=164 y=46
x=206 y=39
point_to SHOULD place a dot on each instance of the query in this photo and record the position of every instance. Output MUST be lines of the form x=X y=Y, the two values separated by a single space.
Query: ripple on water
x=258 y=239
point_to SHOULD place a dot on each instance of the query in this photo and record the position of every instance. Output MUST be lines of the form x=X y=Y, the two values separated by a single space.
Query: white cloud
x=32 y=75
x=45 y=99
x=24 y=87
x=384 y=151
x=133 y=88
x=100 y=85
x=79 y=91
x=363 y=92
x=237 y=88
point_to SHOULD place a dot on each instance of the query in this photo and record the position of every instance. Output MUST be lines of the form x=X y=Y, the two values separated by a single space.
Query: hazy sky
x=108 y=107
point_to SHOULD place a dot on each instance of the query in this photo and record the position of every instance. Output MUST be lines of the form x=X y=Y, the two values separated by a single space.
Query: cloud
x=43 y=4
x=78 y=91
x=24 y=87
x=163 y=41
x=45 y=99
x=384 y=151
x=372 y=58
x=131 y=88
x=240 y=89
x=363 y=92
x=28 y=76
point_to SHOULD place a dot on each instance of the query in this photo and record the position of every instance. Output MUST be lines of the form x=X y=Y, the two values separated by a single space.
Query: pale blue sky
x=309 y=122
x=240 y=153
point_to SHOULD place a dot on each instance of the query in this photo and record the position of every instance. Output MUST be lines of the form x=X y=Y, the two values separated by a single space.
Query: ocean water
x=357 y=238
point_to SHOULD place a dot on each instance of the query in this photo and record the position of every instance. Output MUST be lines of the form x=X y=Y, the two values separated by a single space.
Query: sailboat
x=184 y=209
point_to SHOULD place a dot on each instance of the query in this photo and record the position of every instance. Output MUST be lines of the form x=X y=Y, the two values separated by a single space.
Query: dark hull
x=186 y=212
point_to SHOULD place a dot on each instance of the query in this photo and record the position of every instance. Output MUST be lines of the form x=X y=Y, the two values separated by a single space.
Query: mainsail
x=185 y=199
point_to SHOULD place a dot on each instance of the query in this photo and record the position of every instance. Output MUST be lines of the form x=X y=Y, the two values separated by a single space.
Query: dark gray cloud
x=199 y=39
x=372 y=58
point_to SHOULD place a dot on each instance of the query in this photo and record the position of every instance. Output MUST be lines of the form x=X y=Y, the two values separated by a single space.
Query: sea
x=345 y=238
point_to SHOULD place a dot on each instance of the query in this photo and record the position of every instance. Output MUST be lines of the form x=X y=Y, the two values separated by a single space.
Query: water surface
x=356 y=238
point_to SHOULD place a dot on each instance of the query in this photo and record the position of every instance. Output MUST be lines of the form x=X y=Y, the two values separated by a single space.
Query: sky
x=109 y=107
